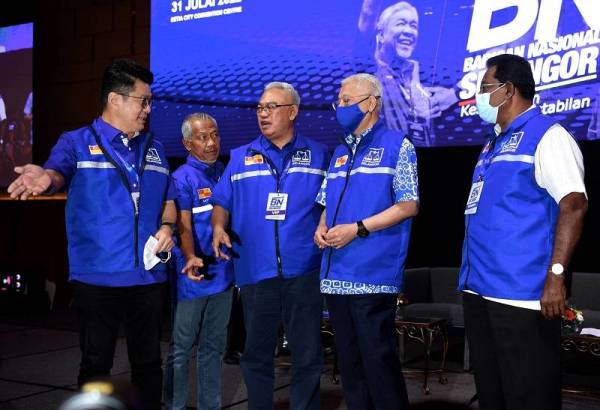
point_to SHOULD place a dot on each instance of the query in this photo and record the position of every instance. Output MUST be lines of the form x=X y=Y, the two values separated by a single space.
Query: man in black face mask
x=370 y=196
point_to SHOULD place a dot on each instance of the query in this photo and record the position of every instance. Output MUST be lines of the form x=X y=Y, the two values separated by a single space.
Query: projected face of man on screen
x=408 y=106
x=276 y=113
x=398 y=31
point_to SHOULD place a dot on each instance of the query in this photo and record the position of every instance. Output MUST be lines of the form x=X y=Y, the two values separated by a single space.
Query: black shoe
x=232 y=358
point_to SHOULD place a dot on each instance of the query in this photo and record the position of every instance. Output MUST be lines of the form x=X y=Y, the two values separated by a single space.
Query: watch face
x=557 y=269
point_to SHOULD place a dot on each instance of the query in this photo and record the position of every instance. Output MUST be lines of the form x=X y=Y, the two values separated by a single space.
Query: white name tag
x=474 y=196
x=276 y=206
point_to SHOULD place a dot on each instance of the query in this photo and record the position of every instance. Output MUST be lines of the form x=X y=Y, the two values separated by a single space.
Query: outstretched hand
x=32 y=181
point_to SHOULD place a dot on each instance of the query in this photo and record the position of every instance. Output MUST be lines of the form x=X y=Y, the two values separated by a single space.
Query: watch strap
x=362 y=230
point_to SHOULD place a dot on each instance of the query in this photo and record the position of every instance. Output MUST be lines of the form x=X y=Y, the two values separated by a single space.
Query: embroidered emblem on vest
x=152 y=156
x=256 y=159
x=513 y=143
x=341 y=161
x=301 y=157
x=373 y=157
x=204 y=193
x=95 y=150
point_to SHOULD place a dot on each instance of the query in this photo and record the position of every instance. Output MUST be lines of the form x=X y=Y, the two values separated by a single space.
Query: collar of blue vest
x=266 y=145
x=204 y=166
x=520 y=120
x=366 y=136
x=113 y=134
x=259 y=144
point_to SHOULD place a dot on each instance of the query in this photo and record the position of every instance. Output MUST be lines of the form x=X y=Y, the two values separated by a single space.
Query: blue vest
x=509 y=240
x=359 y=186
x=264 y=248
x=201 y=178
x=106 y=235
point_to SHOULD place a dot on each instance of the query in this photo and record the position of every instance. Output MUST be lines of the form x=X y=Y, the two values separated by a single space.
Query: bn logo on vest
x=301 y=157
x=152 y=156
x=373 y=157
x=513 y=143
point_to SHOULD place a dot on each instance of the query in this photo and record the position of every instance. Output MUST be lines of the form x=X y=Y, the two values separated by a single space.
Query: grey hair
x=186 y=127
x=385 y=15
x=286 y=87
x=373 y=82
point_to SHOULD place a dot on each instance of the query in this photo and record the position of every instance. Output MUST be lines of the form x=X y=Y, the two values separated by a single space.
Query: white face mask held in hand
x=150 y=258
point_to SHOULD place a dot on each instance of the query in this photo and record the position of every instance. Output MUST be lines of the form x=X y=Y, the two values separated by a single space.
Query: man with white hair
x=266 y=196
x=370 y=195
x=204 y=283
x=408 y=105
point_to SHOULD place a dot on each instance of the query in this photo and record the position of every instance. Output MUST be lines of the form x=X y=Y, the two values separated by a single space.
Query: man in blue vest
x=524 y=216
x=370 y=196
x=204 y=283
x=266 y=197
x=120 y=213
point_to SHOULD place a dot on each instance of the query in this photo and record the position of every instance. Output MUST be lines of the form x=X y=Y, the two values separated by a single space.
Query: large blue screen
x=217 y=55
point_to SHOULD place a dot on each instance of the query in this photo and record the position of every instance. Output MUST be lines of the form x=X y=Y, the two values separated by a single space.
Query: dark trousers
x=101 y=311
x=236 y=334
x=366 y=343
x=298 y=303
x=515 y=354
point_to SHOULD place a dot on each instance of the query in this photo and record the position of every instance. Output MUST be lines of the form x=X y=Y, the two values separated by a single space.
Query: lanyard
x=133 y=177
x=494 y=150
x=489 y=156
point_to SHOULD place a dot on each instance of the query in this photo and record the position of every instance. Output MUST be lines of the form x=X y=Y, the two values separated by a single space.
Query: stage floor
x=39 y=357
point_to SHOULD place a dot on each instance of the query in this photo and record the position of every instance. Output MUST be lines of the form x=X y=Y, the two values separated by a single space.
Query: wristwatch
x=557 y=269
x=362 y=230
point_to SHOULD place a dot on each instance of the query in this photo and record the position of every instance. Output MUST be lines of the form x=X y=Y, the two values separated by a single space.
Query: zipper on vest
x=276 y=225
x=149 y=140
x=277 y=250
x=337 y=208
x=125 y=181
x=467 y=252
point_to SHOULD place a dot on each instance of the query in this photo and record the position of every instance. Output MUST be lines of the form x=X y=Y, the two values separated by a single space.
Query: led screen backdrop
x=217 y=55
x=16 y=98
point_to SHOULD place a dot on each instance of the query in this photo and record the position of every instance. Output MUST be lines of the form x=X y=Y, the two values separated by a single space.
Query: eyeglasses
x=345 y=100
x=145 y=101
x=485 y=86
x=269 y=107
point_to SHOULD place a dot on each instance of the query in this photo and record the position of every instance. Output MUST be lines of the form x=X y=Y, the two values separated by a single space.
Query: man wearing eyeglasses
x=266 y=198
x=370 y=196
x=523 y=218
x=119 y=202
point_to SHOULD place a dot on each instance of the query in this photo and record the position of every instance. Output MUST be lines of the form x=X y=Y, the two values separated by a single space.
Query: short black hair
x=120 y=75
x=516 y=69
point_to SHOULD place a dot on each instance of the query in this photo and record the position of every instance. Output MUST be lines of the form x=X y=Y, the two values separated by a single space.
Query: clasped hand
x=336 y=237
